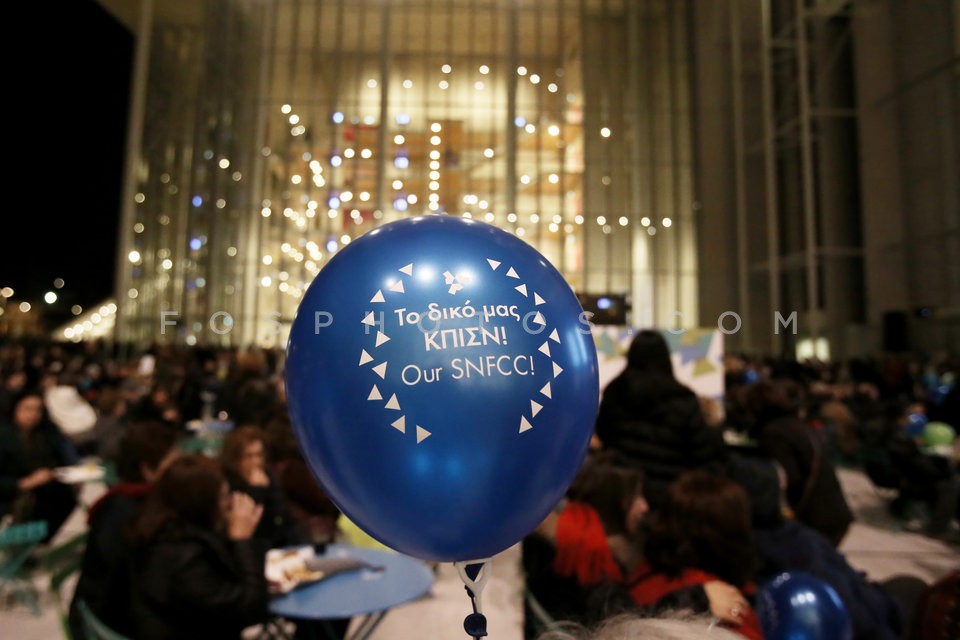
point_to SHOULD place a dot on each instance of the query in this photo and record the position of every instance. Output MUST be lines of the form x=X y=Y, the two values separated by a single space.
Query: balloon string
x=474 y=575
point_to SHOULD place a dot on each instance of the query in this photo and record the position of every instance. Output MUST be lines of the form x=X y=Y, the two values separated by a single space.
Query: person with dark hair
x=145 y=450
x=785 y=544
x=158 y=406
x=577 y=559
x=702 y=533
x=199 y=573
x=588 y=540
x=13 y=385
x=920 y=478
x=813 y=489
x=31 y=447
x=110 y=426
x=309 y=504
x=244 y=462
x=655 y=420
x=248 y=396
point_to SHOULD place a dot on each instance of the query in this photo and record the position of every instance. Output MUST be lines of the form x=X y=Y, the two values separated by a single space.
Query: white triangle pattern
x=381 y=369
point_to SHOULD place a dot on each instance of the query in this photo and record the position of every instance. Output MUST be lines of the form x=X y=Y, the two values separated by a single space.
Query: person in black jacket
x=145 y=450
x=784 y=544
x=31 y=447
x=923 y=478
x=198 y=573
x=655 y=420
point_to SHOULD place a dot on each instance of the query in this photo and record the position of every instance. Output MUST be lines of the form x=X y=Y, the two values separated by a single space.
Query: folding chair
x=17 y=542
x=94 y=627
x=63 y=562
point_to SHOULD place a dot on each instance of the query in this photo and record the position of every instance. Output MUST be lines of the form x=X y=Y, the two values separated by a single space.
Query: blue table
x=366 y=593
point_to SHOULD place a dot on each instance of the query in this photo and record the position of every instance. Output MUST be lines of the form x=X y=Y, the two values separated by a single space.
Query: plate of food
x=290 y=568
x=80 y=473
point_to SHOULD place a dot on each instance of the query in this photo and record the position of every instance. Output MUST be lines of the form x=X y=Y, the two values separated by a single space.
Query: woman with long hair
x=244 y=461
x=199 y=573
x=145 y=450
x=655 y=420
x=31 y=447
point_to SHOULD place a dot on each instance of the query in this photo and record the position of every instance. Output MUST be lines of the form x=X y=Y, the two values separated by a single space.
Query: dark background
x=68 y=90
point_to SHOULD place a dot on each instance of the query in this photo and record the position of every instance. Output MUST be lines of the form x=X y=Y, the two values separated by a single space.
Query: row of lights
x=479 y=85
x=90 y=327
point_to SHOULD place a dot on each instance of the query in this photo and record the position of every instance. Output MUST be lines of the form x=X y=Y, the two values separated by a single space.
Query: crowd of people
x=676 y=509
x=665 y=515
x=176 y=546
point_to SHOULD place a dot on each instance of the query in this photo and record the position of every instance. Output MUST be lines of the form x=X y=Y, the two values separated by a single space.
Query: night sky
x=69 y=94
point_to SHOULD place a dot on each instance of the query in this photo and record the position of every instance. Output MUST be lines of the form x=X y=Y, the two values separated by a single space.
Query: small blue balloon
x=937 y=394
x=442 y=383
x=799 y=606
x=915 y=424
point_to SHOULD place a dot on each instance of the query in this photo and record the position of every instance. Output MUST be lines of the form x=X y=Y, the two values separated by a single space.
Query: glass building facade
x=268 y=135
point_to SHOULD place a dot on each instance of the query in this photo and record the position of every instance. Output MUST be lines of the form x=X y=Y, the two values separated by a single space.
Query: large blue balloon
x=442 y=382
x=799 y=606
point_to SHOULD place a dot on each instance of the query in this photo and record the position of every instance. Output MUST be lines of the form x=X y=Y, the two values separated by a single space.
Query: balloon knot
x=475 y=625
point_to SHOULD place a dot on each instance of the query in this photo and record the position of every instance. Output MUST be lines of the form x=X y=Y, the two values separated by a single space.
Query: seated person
x=701 y=534
x=923 y=478
x=31 y=447
x=786 y=544
x=813 y=488
x=244 y=462
x=577 y=560
x=144 y=451
x=309 y=504
x=200 y=574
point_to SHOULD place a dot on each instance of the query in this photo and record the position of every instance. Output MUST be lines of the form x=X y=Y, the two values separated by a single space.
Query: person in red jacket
x=578 y=560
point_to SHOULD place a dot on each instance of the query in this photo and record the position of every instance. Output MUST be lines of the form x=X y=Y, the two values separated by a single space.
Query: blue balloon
x=915 y=424
x=799 y=606
x=939 y=393
x=442 y=383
